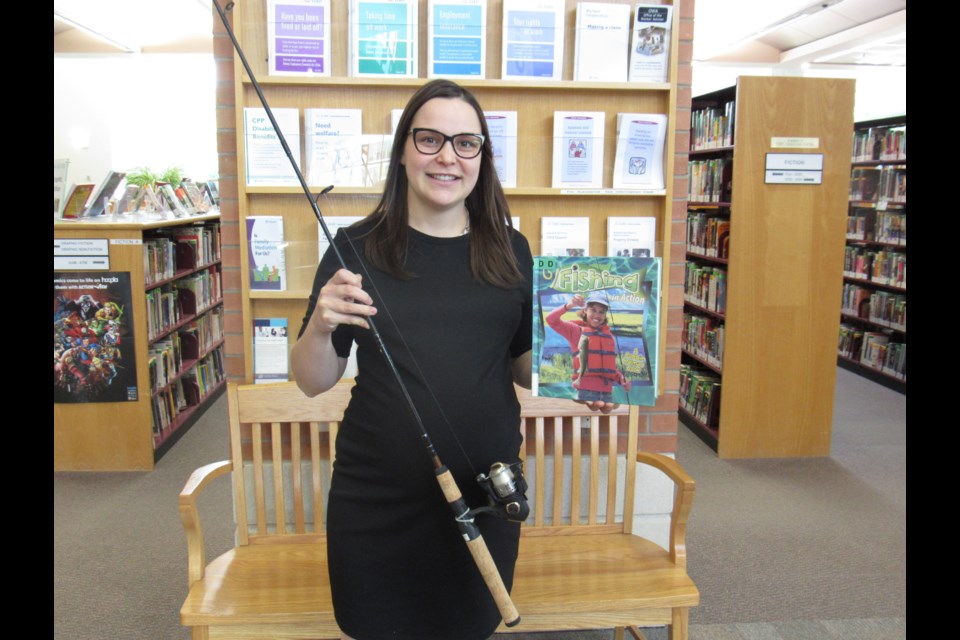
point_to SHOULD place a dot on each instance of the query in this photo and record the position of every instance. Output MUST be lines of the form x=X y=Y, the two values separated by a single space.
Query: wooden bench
x=588 y=571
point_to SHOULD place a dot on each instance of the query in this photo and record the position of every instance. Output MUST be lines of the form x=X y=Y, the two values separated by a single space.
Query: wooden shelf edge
x=710 y=436
x=491 y=83
x=872 y=374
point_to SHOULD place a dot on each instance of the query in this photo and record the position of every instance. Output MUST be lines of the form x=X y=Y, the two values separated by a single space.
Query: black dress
x=399 y=567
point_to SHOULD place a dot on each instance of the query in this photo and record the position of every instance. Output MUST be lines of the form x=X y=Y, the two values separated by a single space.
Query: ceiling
x=779 y=33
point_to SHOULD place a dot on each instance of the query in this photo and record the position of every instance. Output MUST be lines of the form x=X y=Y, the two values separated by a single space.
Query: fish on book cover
x=596 y=328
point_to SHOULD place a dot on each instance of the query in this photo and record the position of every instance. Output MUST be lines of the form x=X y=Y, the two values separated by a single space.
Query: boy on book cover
x=595 y=369
x=595 y=329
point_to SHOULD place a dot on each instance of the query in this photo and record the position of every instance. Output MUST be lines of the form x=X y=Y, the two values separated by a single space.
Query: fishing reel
x=506 y=490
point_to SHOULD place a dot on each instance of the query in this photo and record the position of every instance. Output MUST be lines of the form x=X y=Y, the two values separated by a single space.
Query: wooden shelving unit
x=875 y=291
x=124 y=436
x=784 y=269
x=532 y=199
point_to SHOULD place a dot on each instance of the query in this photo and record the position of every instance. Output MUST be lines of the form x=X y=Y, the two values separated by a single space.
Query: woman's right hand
x=576 y=302
x=342 y=301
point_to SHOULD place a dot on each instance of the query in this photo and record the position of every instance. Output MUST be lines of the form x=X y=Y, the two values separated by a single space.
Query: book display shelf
x=378 y=99
x=873 y=321
x=165 y=276
x=764 y=258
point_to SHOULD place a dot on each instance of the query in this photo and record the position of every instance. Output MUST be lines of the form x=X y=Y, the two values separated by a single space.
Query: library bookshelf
x=531 y=200
x=764 y=272
x=873 y=321
x=174 y=317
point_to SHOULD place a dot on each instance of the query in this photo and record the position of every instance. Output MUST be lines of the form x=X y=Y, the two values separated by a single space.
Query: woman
x=448 y=280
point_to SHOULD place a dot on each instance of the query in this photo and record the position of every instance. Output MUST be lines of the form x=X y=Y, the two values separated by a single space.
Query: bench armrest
x=190 y=516
x=682 y=502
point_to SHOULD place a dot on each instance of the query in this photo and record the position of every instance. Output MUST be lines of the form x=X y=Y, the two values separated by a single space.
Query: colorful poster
x=94 y=357
x=595 y=328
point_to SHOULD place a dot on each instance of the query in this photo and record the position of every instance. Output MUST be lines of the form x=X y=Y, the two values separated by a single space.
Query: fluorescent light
x=806 y=12
x=95 y=34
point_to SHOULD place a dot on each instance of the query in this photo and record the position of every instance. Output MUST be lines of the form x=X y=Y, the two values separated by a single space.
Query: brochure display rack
x=535 y=102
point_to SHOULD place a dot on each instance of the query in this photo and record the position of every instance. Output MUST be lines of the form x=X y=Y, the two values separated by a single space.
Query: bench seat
x=583 y=572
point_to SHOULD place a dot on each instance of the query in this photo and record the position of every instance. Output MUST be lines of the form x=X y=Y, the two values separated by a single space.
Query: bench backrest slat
x=282 y=444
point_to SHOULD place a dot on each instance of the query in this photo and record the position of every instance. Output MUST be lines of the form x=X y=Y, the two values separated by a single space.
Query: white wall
x=881 y=91
x=156 y=110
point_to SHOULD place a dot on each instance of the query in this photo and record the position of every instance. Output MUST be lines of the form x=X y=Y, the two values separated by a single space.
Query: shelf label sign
x=794 y=168
x=80 y=247
x=80 y=253
x=795 y=143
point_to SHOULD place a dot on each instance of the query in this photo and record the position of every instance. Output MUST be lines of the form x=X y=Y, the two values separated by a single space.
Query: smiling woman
x=440 y=233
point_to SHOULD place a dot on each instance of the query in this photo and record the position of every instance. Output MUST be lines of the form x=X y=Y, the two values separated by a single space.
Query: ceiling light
x=95 y=34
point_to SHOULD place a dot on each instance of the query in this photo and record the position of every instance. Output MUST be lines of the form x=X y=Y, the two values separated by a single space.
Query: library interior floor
x=793 y=549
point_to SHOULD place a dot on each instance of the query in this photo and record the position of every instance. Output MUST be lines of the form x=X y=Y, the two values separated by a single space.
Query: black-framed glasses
x=429 y=142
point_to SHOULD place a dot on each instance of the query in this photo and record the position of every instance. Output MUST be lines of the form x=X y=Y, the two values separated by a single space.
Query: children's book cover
x=596 y=328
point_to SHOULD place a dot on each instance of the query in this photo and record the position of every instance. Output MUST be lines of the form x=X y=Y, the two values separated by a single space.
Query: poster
x=94 y=357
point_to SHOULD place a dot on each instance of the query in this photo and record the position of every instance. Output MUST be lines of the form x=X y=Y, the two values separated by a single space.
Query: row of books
x=196 y=245
x=159 y=259
x=170 y=402
x=337 y=152
x=708 y=234
x=700 y=394
x=874 y=350
x=712 y=127
x=886 y=184
x=206 y=330
x=888 y=268
x=199 y=291
x=879 y=307
x=171 y=303
x=880 y=143
x=185 y=392
x=208 y=373
x=710 y=180
x=703 y=337
x=613 y=42
x=164 y=361
x=705 y=287
x=169 y=356
x=163 y=310
x=114 y=197
x=885 y=227
x=180 y=248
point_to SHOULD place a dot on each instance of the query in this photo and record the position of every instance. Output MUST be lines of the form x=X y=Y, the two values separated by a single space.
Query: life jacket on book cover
x=601 y=354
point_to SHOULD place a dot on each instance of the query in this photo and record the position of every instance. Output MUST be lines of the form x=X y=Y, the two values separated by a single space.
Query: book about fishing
x=596 y=328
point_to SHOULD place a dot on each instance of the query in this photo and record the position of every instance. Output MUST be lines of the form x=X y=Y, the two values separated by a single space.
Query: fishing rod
x=501 y=484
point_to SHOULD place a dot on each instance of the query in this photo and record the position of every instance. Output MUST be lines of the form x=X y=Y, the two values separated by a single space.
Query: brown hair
x=491 y=254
